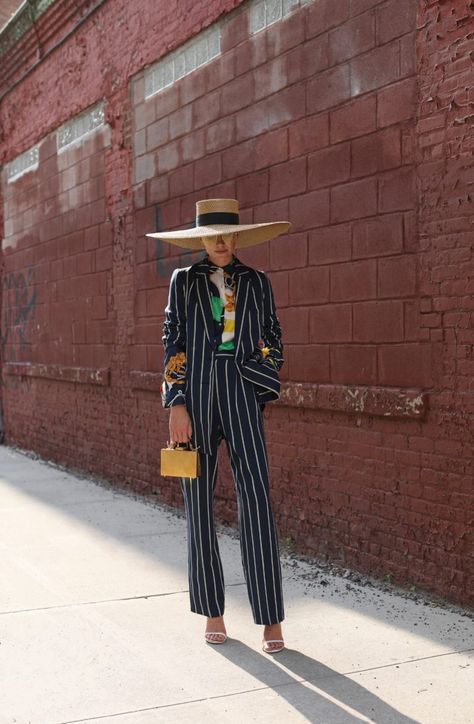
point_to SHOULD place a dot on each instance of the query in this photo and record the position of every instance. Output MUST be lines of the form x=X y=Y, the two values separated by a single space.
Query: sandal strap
x=273 y=641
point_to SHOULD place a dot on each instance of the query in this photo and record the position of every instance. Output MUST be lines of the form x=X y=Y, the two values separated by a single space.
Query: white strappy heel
x=215 y=633
x=272 y=650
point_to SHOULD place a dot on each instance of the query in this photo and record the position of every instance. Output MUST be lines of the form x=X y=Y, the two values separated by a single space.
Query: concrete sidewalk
x=96 y=626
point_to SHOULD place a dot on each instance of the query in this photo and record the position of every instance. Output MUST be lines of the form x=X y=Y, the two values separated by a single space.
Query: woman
x=223 y=353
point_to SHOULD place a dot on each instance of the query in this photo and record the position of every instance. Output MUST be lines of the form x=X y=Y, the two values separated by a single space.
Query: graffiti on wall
x=18 y=308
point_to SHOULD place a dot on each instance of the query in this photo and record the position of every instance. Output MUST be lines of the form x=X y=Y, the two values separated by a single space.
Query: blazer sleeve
x=272 y=351
x=173 y=388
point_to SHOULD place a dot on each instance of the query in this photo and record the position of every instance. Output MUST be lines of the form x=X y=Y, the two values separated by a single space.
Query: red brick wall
x=445 y=171
x=354 y=126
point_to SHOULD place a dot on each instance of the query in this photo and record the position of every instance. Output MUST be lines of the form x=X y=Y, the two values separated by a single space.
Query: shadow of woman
x=314 y=690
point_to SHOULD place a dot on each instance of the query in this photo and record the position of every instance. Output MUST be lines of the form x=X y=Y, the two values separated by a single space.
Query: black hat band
x=217 y=217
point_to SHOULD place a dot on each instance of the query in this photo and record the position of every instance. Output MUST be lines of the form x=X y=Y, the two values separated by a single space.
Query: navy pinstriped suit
x=225 y=393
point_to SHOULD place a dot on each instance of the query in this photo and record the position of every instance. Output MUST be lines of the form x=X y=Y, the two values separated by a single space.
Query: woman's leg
x=243 y=429
x=205 y=574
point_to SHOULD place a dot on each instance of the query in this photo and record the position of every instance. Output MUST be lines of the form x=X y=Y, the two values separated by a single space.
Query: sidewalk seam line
x=106 y=600
x=262 y=688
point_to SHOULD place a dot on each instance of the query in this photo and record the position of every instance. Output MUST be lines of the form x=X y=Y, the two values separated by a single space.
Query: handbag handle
x=179 y=446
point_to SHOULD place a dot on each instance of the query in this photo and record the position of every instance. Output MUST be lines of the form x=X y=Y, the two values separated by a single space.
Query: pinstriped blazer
x=188 y=332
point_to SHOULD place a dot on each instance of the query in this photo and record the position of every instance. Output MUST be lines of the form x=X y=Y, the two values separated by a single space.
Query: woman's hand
x=181 y=427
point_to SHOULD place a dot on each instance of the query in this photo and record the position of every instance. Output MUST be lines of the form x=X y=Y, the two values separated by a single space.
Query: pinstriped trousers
x=237 y=418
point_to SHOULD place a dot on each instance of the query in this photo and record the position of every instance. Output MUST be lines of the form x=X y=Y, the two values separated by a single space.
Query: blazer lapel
x=241 y=300
x=205 y=304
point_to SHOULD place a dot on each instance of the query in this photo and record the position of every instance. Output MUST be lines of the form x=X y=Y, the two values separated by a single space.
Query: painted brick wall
x=356 y=127
x=59 y=249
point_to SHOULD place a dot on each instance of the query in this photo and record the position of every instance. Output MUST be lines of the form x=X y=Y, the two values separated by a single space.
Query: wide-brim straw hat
x=221 y=216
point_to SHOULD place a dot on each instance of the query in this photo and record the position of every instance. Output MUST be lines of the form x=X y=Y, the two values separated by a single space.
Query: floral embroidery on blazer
x=173 y=388
x=175 y=370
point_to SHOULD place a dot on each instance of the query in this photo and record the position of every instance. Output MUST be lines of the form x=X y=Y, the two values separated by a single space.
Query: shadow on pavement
x=329 y=703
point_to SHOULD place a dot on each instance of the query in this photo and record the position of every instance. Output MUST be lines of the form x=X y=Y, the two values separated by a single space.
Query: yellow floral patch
x=176 y=368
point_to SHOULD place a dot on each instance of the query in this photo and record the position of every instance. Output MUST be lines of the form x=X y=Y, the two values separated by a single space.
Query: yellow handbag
x=180 y=462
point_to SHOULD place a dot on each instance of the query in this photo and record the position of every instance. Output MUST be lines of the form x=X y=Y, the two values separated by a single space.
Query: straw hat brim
x=249 y=234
